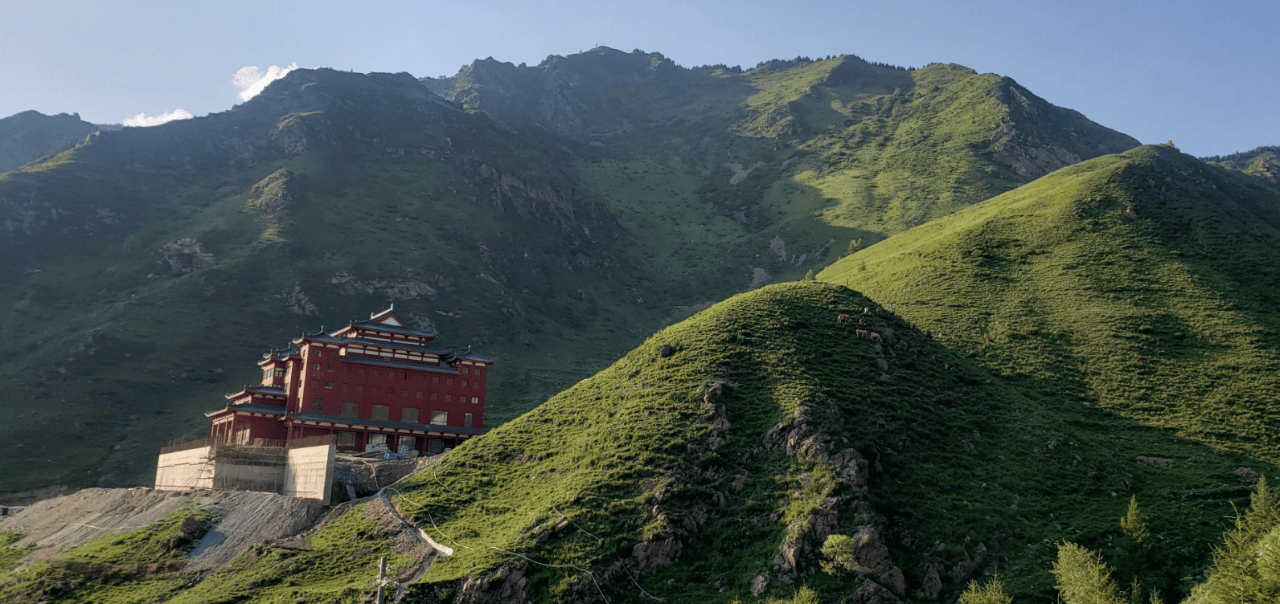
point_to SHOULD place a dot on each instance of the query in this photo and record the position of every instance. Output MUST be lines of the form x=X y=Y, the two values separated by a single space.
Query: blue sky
x=1202 y=74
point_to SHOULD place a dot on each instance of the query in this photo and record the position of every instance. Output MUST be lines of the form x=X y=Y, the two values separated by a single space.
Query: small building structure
x=372 y=384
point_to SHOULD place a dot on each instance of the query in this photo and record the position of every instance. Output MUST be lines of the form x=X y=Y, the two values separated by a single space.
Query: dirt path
x=422 y=536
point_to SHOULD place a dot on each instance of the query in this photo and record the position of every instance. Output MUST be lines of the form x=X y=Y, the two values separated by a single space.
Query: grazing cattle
x=875 y=337
x=844 y=319
x=866 y=310
x=862 y=321
x=861 y=333
x=947 y=365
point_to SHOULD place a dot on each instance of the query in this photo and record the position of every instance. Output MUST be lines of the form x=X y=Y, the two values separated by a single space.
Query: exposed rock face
x=298 y=302
x=873 y=555
x=799 y=551
x=759 y=583
x=394 y=289
x=186 y=255
x=506 y=585
x=965 y=568
x=655 y=554
x=931 y=587
x=273 y=195
x=1029 y=140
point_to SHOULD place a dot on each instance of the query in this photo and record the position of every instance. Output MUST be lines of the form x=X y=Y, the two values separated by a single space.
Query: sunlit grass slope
x=730 y=446
x=1144 y=283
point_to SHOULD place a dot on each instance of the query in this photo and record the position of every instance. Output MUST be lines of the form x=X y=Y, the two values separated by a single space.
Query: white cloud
x=251 y=81
x=141 y=120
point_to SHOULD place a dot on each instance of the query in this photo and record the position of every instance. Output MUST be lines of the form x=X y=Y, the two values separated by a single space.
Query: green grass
x=132 y=567
x=1166 y=318
x=339 y=568
x=952 y=458
x=556 y=246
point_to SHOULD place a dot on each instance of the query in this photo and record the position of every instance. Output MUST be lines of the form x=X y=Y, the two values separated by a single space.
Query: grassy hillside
x=718 y=459
x=1263 y=162
x=146 y=274
x=1142 y=283
x=552 y=215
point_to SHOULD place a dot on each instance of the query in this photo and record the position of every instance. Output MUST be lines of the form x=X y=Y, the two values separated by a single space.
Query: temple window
x=380 y=411
x=409 y=415
x=350 y=408
x=346 y=439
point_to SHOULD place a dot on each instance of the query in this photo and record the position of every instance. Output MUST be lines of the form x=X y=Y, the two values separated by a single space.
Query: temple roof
x=400 y=345
x=278 y=354
x=380 y=423
x=250 y=407
x=475 y=356
x=363 y=360
x=257 y=390
x=388 y=321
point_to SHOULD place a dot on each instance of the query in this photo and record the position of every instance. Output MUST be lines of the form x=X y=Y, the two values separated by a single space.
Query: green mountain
x=1263 y=162
x=554 y=216
x=1143 y=283
x=796 y=442
x=861 y=145
x=29 y=135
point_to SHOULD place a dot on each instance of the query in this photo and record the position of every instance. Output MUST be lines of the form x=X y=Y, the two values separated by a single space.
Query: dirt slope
x=241 y=519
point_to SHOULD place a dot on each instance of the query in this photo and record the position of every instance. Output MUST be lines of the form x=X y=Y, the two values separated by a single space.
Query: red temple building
x=374 y=382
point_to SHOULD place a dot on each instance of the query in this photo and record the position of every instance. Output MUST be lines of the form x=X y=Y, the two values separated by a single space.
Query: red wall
x=338 y=381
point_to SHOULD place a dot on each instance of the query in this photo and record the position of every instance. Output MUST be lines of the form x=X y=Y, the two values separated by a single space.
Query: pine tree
x=1083 y=578
x=855 y=245
x=1132 y=523
x=1264 y=510
x=992 y=592
x=1240 y=567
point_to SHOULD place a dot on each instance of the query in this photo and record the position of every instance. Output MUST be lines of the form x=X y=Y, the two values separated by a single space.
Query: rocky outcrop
x=275 y=194
x=1029 y=138
x=394 y=289
x=186 y=255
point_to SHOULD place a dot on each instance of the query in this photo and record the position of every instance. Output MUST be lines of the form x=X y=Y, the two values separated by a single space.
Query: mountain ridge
x=553 y=250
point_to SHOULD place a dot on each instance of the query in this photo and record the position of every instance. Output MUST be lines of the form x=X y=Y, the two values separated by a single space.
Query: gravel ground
x=240 y=519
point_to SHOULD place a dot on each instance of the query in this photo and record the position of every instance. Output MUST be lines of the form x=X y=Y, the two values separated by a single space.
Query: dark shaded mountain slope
x=147 y=269
x=28 y=135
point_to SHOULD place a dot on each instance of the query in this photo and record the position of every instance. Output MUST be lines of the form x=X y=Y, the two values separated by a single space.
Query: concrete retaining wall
x=229 y=476
x=185 y=470
x=308 y=473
